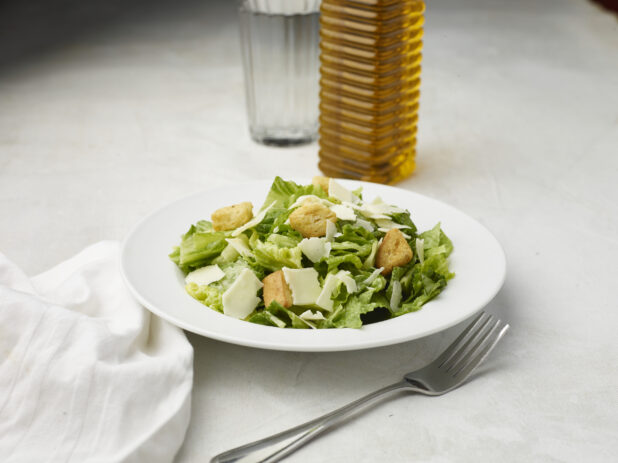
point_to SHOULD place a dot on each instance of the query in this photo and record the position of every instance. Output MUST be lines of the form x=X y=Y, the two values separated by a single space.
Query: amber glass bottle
x=370 y=65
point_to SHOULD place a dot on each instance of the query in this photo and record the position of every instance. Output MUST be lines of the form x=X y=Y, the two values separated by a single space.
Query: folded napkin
x=86 y=373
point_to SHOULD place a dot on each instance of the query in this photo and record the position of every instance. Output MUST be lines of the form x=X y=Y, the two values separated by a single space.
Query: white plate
x=478 y=262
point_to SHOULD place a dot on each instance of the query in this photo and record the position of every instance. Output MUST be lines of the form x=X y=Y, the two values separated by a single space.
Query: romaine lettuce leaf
x=273 y=221
x=264 y=317
x=350 y=250
x=261 y=318
x=421 y=282
x=350 y=307
x=345 y=247
x=198 y=247
x=284 y=241
x=283 y=193
x=333 y=263
x=207 y=295
x=287 y=316
x=403 y=218
x=273 y=258
x=371 y=258
x=348 y=314
x=356 y=234
x=435 y=238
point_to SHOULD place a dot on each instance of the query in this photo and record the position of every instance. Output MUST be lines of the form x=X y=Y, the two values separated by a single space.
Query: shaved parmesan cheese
x=253 y=222
x=229 y=254
x=205 y=275
x=240 y=299
x=371 y=213
x=309 y=315
x=385 y=208
x=346 y=278
x=310 y=198
x=331 y=230
x=420 y=249
x=385 y=230
x=343 y=212
x=339 y=192
x=371 y=258
x=395 y=296
x=352 y=205
x=371 y=278
x=365 y=224
x=315 y=249
x=378 y=209
x=304 y=285
x=330 y=284
x=324 y=299
x=388 y=224
x=240 y=246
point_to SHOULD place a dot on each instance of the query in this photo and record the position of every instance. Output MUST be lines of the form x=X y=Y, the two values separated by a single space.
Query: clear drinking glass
x=280 y=49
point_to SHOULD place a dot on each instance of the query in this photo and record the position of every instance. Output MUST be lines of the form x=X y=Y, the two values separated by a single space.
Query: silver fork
x=444 y=374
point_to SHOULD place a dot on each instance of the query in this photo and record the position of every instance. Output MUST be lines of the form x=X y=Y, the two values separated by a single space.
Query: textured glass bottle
x=370 y=65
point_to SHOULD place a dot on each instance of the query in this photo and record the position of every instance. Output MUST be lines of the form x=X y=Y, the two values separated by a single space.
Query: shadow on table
x=30 y=30
x=610 y=5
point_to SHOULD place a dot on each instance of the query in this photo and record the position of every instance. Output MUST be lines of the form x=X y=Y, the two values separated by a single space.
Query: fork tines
x=472 y=345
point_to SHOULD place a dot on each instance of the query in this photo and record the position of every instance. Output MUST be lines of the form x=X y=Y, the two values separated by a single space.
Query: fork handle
x=277 y=446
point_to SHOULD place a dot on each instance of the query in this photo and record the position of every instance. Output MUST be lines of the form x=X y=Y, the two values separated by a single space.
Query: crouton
x=231 y=217
x=276 y=289
x=310 y=219
x=321 y=182
x=394 y=251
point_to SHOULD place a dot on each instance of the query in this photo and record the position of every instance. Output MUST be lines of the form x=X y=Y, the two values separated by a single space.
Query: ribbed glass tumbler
x=280 y=50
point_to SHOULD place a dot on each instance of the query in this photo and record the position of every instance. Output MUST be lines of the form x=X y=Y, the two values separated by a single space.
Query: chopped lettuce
x=403 y=218
x=273 y=258
x=350 y=307
x=422 y=281
x=361 y=294
x=207 y=295
x=284 y=193
x=198 y=247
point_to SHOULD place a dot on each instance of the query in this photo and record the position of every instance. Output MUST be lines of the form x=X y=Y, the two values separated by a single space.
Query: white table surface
x=518 y=128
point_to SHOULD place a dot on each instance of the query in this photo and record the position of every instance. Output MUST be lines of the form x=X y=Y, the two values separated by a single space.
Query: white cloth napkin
x=86 y=373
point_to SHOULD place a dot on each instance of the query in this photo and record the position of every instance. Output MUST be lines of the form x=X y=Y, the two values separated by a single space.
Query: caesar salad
x=313 y=256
